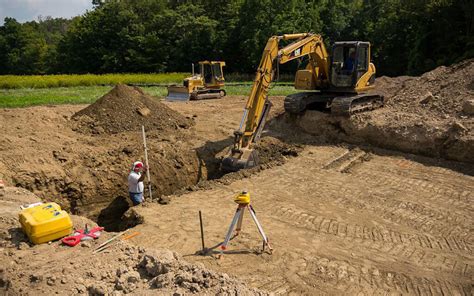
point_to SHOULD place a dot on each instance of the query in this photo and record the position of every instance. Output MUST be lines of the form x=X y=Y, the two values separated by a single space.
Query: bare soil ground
x=342 y=218
x=125 y=268
x=376 y=224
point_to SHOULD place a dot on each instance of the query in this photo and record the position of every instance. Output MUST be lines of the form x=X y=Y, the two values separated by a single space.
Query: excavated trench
x=202 y=168
x=82 y=160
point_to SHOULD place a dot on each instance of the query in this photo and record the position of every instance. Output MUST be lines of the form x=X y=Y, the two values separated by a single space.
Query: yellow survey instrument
x=207 y=84
x=242 y=198
x=338 y=84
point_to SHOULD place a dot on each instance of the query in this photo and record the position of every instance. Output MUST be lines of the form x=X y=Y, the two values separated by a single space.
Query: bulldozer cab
x=211 y=73
x=350 y=61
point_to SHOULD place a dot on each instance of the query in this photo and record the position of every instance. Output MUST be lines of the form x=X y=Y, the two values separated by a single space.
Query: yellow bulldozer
x=340 y=84
x=207 y=84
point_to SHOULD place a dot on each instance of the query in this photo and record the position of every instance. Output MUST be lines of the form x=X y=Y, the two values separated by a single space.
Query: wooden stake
x=202 y=233
x=146 y=161
x=108 y=241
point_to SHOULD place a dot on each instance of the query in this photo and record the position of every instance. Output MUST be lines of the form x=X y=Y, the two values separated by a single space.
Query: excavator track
x=299 y=102
x=335 y=103
x=295 y=103
x=348 y=105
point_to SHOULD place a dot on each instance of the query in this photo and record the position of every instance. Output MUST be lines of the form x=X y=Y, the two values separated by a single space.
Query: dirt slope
x=62 y=158
x=423 y=115
x=439 y=93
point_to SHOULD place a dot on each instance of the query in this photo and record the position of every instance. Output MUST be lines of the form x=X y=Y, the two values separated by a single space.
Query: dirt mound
x=440 y=92
x=123 y=270
x=423 y=115
x=126 y=108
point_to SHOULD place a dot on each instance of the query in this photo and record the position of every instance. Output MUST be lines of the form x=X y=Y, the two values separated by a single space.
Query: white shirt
x=133 y=185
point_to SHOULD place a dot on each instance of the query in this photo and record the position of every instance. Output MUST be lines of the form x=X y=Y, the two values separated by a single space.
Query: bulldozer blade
x=177 y=93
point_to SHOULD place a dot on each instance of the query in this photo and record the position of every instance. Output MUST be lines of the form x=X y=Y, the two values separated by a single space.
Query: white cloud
x=27 y=10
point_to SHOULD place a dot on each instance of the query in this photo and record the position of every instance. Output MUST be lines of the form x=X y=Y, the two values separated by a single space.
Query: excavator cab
x=350 y=61
x=211 y=72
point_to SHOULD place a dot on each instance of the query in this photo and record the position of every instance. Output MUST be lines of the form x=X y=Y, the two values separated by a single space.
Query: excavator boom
x=258 y=106
x=341 y=87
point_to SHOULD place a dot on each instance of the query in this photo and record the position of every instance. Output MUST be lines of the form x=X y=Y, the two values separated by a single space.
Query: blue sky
x=27 y=10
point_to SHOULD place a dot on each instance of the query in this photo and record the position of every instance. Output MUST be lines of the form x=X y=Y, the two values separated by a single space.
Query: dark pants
x=137 y=198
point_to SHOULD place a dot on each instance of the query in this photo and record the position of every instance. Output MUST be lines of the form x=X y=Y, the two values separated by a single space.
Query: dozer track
x=338 y=105
x=208 y=94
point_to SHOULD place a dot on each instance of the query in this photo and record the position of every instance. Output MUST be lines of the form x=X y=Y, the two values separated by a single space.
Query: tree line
x=127 y=36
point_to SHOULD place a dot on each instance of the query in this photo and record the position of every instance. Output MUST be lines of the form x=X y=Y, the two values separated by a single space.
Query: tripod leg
x=231 y=228
x=239 y=222
x=260 y=229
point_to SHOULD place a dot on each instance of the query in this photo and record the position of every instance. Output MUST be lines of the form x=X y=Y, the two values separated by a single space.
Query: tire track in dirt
x=460 y=198
x=443 y=224
x=420 y=249
x=311 y=214
x=347 y=160
x=354 y=279
x=456 y=226
x=405 y=167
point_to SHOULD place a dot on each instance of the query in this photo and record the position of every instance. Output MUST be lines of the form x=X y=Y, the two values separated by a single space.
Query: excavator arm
x=241 y=155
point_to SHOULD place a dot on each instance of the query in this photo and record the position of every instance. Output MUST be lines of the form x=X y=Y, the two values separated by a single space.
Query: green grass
x=23 y=97
x=49 y=81
x=73 y=80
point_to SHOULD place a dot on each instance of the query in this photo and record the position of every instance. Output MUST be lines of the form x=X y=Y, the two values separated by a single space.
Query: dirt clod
x=468 y=107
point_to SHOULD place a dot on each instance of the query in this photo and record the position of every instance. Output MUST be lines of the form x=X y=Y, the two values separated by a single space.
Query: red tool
x=80 y=235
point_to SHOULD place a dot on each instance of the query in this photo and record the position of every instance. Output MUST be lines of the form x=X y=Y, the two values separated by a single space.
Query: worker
x=135 y=183
x=349 y=63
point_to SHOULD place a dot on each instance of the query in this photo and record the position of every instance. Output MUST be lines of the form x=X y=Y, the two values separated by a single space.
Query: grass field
x=73 y=80
x=23 y=97
x=49 y=81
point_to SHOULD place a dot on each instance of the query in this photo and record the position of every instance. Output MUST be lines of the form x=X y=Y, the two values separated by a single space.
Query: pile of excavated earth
x=430 y=115
x=127 y=108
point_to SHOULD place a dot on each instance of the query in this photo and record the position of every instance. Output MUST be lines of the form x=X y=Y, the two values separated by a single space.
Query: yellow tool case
x=45 y=222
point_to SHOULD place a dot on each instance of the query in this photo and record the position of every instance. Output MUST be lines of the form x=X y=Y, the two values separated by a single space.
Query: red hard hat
x=137 y=165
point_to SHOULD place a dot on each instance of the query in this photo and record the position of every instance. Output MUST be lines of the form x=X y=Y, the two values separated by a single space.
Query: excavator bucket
x=246 y=159
x=177 y=93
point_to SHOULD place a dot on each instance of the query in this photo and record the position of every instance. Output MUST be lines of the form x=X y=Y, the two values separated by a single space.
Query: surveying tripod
x=243 y=201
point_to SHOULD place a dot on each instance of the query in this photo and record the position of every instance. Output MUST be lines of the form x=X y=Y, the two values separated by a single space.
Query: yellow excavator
x=207 y=84
x=339 y=84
